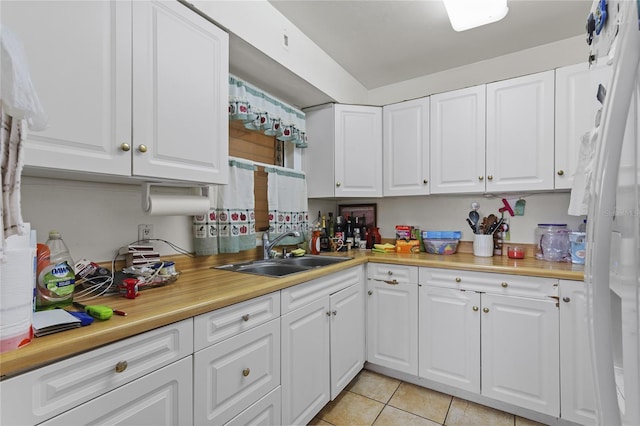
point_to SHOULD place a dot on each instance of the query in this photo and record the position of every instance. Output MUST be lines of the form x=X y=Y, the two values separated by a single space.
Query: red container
x=515 y=252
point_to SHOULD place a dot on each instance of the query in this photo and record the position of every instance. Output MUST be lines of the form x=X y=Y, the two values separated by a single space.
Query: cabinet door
x=392 y=325
x=305 y=362
x=458 y=141
x=520 y=352
x=160 y=398
x=577 y=397
x=406 y=148
x=520 y=128
x=180 y=94
x=576 y=107
x=235 y=373
x=347 y=336
x=449 y=342
x=79 y=56
x=358 y=151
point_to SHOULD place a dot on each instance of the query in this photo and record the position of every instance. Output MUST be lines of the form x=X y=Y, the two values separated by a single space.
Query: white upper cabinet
x=406 y=148
x=344 y=157
x=458 y=141
x=520 y=133
x=79 y=57
x=130 y=88
x=180 y=94
x=576 y=108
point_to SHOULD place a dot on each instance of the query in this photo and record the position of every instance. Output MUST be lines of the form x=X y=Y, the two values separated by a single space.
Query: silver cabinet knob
x=142 y=148
x=338 y=184
x=490 y=177
x=560 y=172
x=504 y=284
x=425 y=181
x=245 y=317
x=481 y=177
x=475 y=309
x=566 y=299
x=485 y=310
x=246 y=372
x=125 y=147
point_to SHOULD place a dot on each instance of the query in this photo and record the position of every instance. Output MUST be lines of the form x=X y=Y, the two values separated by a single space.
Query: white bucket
x=17 y=284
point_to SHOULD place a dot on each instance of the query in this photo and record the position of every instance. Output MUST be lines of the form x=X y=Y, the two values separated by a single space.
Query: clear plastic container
x=552 y=242
x=56 y=281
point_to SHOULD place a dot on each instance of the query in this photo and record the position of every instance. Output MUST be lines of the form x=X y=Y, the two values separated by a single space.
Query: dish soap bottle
x=56 y=280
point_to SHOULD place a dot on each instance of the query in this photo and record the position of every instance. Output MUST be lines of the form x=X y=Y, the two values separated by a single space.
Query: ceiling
x=381 y=42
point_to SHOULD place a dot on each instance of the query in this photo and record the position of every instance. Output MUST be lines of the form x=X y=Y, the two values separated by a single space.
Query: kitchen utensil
x=474 y=217
x=471 y=225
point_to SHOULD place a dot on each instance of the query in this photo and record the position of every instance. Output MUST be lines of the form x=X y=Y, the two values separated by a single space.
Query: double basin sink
x=282 y=267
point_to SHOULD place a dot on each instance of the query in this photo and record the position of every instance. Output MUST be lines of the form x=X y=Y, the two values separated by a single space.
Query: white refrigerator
x=612 y=270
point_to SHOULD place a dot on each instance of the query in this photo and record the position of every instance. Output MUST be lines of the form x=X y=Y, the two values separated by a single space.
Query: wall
x=542 y=58
x=95 y=219
x=448 y=212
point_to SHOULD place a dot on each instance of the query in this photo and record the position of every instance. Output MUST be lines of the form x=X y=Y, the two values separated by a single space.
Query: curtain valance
x=261 y=111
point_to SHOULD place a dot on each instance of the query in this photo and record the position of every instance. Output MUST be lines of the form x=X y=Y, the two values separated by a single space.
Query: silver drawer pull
x=121 y=366
x=245 y=317
x=391 y=282
x=246 y=372
x=504 y=284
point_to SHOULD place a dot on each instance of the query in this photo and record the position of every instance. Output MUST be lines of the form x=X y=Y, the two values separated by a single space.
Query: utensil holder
x=483 y=245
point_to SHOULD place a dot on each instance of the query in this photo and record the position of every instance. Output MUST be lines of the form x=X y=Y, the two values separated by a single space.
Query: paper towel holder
x=146 y=192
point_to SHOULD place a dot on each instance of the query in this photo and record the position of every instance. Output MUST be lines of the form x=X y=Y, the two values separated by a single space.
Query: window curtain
x=287 y=203
x=230 y=226
x=262 y=112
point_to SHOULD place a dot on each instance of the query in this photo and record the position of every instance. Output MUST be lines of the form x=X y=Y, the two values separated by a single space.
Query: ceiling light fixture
x=466 y=14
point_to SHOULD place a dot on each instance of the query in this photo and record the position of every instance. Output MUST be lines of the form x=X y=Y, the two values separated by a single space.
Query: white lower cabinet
x=236 y=372
x=163 y=397
x=392 y=317
x=145 y=379
x=322 y=342
x=265 y=412
x=449 y=342
x=577 y=397
x=492 y=334
x=520 y=352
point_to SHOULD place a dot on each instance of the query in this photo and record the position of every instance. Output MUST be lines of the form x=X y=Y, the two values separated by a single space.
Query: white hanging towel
x=17 y=92
x=582 y=180
x=288 y=203
x=235 y=210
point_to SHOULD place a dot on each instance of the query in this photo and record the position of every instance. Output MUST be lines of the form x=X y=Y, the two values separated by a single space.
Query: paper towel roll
x=177 y=205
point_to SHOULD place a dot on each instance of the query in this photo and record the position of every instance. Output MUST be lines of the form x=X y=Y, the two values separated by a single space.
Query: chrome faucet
x=268 y=245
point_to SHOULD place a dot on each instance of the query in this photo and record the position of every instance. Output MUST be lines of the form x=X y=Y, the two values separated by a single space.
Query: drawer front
x=43 y=393
x=160 y=398
x=215 y=326
x=235 y=373
x=484 y=282
x=302 y=294
x=390 y=272
x=264 y=412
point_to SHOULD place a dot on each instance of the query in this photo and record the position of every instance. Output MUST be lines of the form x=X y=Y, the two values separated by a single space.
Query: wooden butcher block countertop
x=201 y=289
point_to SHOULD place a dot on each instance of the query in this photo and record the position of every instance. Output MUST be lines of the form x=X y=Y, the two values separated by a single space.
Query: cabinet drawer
x=303 y=294
x=43 y=393
x=160 y=398
x=264 y=412
x=235 y=373
x=215 y=326
x=390 y=272
x=484 y=282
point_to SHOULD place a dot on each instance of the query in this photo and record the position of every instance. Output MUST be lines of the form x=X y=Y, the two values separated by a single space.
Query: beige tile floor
x=374 y=399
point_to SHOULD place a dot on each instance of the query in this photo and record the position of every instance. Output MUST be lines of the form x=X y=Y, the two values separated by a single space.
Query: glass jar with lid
x=552 y=242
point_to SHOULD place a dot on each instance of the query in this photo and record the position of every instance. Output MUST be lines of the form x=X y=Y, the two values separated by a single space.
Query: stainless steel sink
x=313 y=261
x=282 y=267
